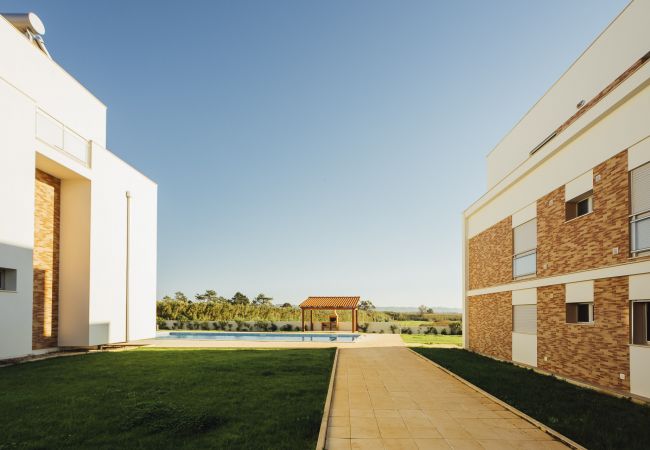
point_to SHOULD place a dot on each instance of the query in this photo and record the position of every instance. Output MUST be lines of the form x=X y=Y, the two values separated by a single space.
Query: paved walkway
x=390 y=398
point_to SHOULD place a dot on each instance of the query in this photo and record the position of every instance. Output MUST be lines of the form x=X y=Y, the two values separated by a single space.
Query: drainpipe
x=128 y=259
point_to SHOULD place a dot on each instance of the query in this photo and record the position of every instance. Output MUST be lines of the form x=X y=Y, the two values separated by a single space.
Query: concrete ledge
x=560 y=437
x=322 y=434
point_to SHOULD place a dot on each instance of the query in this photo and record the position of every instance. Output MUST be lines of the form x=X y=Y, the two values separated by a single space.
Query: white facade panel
x=582 y=292
x=524 y=215
x=524 y=297
x=638 y=154
x=524 y=348
x=640 y=287
x=640 y=370
x=578 y=186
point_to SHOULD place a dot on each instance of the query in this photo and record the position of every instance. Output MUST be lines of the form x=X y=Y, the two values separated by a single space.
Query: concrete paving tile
x=338 y=432
x=464 y=444
x=399 y=444
x=361 y=412
x=366 y=444
x=337 y=444
x=363 y=427
x=432 y=444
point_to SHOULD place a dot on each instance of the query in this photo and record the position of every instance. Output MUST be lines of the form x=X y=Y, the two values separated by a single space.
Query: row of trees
x=210 y=296
x=209 y=306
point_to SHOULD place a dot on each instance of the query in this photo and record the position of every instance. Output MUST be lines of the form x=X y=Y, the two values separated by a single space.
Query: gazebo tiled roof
x=330 y=303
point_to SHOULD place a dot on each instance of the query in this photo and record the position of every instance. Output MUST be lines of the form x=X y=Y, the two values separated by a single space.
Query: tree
x=167 y=298
x=366 y=305
x=429 y=310
x=208 y=296
x=239 y=299
x=286 y=305
x=262 y=299
x=422 y=309
x=180 y=297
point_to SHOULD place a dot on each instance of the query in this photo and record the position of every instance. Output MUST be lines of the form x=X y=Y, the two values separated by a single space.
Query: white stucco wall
x=112 y=178
x=16 y=219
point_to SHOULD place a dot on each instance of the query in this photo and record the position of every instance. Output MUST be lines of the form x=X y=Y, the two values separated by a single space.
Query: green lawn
x=597 y=421
x=253 y=399
x=430 y=339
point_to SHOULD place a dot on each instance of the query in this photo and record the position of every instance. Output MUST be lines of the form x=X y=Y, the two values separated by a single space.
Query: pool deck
x=364 y=341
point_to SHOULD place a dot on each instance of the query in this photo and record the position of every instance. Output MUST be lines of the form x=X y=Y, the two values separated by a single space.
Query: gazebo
x=330 y=303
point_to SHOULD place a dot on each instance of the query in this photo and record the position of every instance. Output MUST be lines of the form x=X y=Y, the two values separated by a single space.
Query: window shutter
x=526 y=236
x=640 y=181
x=525 y=319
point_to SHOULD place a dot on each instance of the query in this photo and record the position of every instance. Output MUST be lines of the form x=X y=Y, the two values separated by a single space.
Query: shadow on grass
x=592 y=419
x=163 y=398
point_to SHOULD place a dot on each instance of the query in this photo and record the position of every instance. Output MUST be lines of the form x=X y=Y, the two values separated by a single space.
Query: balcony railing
x=640 y=232
x=57 y=135
x=524 y=264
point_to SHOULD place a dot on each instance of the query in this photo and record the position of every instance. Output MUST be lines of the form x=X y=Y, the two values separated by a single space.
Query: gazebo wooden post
x=311 y=320
x=356 y=318
x=354 y=325
x=302 y=328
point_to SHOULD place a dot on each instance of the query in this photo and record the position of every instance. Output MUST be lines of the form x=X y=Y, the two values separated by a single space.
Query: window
x=7 y=279
x=641 y=323
x=525 y=249
x=579 y=312
x=580 y=206
x=640 y=205
x=524 y=319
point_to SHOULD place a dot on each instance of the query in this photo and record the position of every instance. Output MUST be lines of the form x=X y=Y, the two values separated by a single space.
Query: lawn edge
x=322 y=434
x=546 y=429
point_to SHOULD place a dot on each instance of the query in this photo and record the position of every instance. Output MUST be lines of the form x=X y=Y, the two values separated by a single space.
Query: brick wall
x=490 y=256
x=490 y=324
x=46 y=261
x=587 y=241
x=596 y=353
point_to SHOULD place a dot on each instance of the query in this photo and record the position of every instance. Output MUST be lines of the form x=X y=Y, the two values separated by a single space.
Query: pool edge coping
x=322 y=433
x=546 y=429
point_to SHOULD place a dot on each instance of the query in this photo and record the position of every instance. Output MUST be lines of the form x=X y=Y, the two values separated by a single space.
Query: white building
x=77 y=224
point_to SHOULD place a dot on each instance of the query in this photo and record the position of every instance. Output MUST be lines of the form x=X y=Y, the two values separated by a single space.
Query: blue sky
x=315 y=148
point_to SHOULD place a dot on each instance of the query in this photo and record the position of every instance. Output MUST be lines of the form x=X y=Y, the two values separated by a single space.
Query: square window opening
x=7 y=279
x=579 y=312
x=580 y=206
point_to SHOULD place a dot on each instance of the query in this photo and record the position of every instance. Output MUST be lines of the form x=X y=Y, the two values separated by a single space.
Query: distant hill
x=406 y=309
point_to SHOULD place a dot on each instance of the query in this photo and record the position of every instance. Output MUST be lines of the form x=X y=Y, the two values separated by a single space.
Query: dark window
x=583 y=312
x=579 y=206
x=579 y=312
x=583 y=207
x=640 y=323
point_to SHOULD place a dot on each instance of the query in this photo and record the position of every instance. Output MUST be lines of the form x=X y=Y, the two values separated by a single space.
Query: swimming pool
x=262 y=337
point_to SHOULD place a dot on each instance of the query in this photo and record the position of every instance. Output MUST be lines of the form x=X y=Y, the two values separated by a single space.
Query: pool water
x=265 y=337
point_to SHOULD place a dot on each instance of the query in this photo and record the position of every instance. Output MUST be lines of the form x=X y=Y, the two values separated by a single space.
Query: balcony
x=56 y=135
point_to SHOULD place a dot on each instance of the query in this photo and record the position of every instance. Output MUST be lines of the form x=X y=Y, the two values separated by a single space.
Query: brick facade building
x=557 y=252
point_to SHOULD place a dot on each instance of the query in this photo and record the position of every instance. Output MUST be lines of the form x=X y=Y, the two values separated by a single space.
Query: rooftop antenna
x=31 y=26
